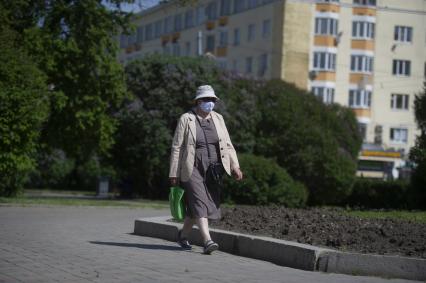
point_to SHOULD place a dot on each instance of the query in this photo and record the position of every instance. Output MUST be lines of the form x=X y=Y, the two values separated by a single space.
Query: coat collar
x=192 y=120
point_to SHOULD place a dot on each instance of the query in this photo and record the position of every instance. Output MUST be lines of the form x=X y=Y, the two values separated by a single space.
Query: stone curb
x=292 y=254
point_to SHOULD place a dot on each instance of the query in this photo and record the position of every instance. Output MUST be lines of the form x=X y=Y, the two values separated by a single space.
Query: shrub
x=316 y=143
x=264 y=182
x=368 y=193
x=418 y=153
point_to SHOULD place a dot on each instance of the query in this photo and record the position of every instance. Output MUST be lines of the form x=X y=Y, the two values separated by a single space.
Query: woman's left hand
x=238 y=175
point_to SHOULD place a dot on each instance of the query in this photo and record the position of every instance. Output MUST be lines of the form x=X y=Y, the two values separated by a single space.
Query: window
x=199 y=13
x=403 y=34
x=362 y=63
x=251 y=4
x=365 y=2
x=189 y=19
x=249 y=65
x=325 y=94
x=401 y=67
x=131 y=39
x=251 y=32
x=168 y=24
x=235 y=65
x=225 y=7
x=158 y=28
x=359 y=98
x=223 y=38
x=362 y=128
x=176 y=49
x=400 y=101
x=263 y=64
x=398 y=135
x=324 y=61
x=211 y=11
x=178 y=22
x=326 y=26
x=239 y=6
x=210 y=44
x=188 y=48
x=139 y=34
x=148 y=32
x=329 y=1
x=363 y=30
x=266 y=28
x=123 y=40
x=236 y=36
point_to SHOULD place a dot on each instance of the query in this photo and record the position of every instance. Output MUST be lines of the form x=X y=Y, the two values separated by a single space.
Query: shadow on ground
x=141 y=246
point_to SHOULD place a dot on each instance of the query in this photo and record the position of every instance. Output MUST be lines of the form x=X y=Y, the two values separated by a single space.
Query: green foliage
x=163 y=88
x=23 y=109
x=141 y=152
x=265 y=182
x=77 y=51
x=380 y=194
x=418 y=152
x=52 y=170
x=316 y=143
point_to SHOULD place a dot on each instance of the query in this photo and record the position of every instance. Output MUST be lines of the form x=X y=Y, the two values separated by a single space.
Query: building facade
x=369 y=55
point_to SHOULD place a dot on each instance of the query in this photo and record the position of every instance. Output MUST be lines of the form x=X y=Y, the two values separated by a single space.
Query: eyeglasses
x=208 y=99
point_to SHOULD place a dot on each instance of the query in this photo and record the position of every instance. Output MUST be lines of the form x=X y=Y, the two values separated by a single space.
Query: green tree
x=316 y=143
x=77 y=49
x=24 y=101
x=418 y=152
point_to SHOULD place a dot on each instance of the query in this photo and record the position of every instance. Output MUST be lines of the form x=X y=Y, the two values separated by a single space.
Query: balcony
x=223 y=21
x=364 y=11
x=363 y=44
x=210 y=25
x=325 y=40
x=221 y=51
x=328 y=7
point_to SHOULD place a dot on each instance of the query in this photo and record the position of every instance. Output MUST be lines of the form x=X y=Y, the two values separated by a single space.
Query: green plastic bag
x=177 y=207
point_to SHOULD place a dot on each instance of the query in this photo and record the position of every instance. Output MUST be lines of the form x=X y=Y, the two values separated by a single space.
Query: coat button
x=223 y=156
x=221 y=148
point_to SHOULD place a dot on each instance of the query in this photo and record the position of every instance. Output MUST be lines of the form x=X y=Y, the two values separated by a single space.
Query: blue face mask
x=207 y=106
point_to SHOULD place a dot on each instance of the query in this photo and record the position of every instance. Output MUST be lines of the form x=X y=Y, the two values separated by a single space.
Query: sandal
x=210 y=246
x=183 y=242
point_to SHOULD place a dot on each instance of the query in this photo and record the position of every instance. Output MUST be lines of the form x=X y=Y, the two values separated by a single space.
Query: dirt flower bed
x=328 y=227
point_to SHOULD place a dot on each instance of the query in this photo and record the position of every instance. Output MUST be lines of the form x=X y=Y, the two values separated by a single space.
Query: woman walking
x=201 y=151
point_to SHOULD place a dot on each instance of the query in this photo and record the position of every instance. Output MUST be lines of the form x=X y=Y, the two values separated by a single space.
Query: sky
x=140 y=5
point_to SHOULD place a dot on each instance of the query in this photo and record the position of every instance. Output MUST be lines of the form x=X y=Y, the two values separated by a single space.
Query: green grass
x=415 y=216
x=62 y=201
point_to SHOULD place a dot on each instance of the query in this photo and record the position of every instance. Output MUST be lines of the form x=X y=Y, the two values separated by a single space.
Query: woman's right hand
x=173 y=181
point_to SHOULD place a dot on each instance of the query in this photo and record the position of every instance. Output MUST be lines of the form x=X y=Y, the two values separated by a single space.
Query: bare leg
x=187 y=226
x=203 y=225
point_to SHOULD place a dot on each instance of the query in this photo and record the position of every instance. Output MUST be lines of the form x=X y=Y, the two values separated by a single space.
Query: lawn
x=415 y=216
x=78 y=198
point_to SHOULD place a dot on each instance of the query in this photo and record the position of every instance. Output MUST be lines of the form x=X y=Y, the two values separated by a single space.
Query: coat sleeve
x=178 y=138
x=232 y=153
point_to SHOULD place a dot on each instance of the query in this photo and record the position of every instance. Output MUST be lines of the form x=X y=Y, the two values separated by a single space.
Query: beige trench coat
x=183 y=147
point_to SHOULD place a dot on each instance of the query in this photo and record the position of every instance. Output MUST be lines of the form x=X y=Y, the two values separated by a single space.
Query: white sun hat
x=205 y=91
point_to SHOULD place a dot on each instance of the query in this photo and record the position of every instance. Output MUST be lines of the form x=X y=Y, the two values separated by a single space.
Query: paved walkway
x=88 y=244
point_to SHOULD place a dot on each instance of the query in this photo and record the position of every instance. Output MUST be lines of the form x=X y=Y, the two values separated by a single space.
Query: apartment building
x=369 y=55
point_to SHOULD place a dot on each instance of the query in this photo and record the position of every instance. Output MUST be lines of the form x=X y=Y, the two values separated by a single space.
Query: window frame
x=360 y=98
x=401 y=65
x=404 y=100
x=403 y=34
x=400 y=140
x=327 y=58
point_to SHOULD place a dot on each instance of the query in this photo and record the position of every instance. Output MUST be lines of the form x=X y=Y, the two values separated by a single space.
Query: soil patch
x=328 y=227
